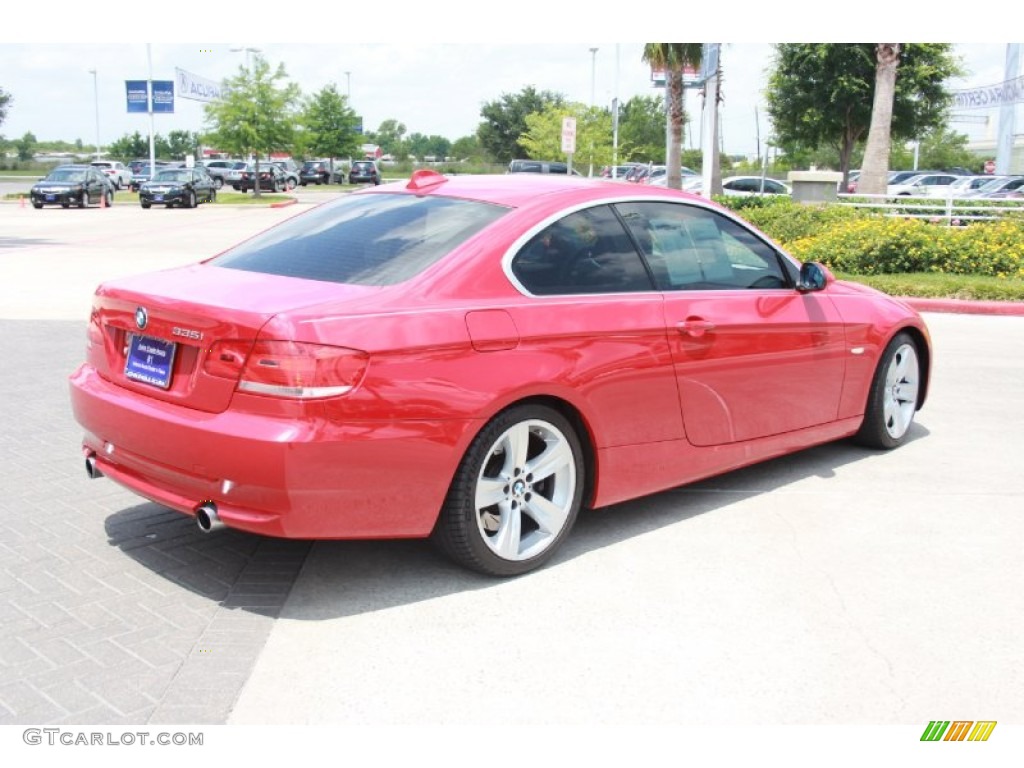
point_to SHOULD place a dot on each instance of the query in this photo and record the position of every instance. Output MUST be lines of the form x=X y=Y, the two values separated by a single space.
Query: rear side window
x=377 y=239
x=584 y=252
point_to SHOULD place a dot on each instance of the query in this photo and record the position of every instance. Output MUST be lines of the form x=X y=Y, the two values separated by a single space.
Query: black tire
x=218 y=183
x=213 y=196
x=190 y=201
x=144 y=204
x=84 y=201
x=36 y=205
x=289 y=184
x=515 y=522
x=893 y=398
x=65 y=204
x=108 y=198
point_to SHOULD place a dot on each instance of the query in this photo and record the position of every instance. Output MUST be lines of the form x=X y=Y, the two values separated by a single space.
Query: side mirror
x=813 y=277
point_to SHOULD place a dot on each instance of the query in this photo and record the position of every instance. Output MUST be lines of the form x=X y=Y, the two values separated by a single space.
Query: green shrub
x=785 y=221
x=872 y=246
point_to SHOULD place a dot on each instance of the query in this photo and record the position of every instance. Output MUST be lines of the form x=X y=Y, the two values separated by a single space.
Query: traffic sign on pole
x=568 y=135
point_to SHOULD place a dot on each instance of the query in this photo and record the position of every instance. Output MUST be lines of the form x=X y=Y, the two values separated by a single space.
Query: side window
x=585 y=252
x=692 y=248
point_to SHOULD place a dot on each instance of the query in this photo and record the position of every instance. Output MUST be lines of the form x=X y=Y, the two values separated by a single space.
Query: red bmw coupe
x=476 y=358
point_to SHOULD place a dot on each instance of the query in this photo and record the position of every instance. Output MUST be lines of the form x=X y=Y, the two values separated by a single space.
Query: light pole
x=593 y=81
x=593 y=71
x=348 y=87
x=96 y=99
x=247 y=50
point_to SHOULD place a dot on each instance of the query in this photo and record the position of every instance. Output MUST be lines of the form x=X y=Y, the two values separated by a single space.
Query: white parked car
x=736 y=186
x=923 y=185
x=119 y=174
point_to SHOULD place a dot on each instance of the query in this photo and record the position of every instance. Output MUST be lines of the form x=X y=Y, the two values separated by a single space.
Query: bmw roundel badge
x=141 y=318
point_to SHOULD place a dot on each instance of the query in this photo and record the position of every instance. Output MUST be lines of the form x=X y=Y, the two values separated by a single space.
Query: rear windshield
x=376 y=239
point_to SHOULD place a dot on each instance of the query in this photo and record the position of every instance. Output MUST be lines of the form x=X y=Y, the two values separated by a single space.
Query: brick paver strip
x=113 y=610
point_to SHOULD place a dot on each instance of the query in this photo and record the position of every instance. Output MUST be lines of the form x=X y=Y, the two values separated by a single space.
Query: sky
x=431 y=76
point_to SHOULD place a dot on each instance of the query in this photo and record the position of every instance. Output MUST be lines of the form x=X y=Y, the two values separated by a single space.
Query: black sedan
x=315 y=172
x=271 y=178
x=364 y=172
x=79 y=184
x=186 y=187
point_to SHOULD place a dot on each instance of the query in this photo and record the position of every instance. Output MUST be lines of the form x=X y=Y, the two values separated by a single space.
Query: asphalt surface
x=834 y=586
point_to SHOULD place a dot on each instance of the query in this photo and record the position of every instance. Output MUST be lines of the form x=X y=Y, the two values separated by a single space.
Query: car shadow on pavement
x=347 y=578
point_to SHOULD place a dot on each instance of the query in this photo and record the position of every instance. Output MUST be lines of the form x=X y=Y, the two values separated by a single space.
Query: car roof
x=519 y=190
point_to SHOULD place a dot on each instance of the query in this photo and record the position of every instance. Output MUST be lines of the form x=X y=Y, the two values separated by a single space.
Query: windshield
x=66 y=174
x=379 y=239
x=171 y=176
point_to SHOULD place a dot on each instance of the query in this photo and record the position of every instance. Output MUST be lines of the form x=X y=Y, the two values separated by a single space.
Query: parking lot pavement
x=112 y=609
x=834 y=586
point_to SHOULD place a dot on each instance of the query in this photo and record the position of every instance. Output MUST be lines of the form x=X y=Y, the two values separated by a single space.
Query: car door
x=753 y=356
x=592 y=300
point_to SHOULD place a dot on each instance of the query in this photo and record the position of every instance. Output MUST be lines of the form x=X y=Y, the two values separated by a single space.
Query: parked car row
x=949 y=183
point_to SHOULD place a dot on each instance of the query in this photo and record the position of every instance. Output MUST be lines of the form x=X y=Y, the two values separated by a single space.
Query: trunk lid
x=153 y=333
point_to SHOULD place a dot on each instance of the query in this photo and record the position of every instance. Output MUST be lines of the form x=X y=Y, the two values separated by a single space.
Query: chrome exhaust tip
x=207 y=518
x=90 y=467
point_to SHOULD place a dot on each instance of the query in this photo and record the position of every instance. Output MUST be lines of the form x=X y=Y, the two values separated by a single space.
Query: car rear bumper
x=271 y=475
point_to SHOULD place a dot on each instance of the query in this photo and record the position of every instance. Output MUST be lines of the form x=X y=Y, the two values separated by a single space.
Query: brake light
x=94 y=331
x=300 y=370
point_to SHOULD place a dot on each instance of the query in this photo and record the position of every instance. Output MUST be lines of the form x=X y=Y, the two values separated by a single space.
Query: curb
x=963 y=307
x=284 y=203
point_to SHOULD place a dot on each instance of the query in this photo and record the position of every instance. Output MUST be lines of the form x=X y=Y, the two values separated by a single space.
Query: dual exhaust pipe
x=206 y=513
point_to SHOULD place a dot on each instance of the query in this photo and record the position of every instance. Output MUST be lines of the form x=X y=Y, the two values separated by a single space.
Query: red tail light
x=94 y=331
x=288 y=368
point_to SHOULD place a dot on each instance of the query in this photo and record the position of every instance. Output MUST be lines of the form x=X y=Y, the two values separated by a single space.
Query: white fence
x=950 y=210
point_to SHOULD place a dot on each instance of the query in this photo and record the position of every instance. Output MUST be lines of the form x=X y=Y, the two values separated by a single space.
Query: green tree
x=468 y=148
x=329 y=125
x=257 y=114
x=26 y=146
x=941 y=148
x=822 y=94
x=435 y=146
x=542 y=139
x=181 y=143
x=642 y=129
x=5 y=103
x=390 y=137
x=673 y=58
x=129 y=147
x=505 y=120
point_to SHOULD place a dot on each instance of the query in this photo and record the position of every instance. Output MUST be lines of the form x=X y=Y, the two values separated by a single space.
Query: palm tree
x=874 y=174
x=673 y=58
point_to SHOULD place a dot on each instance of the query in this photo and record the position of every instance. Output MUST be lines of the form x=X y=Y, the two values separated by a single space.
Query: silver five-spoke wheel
x=525 y=490
x=902 y=378
x=516 y=493
x=895 y=395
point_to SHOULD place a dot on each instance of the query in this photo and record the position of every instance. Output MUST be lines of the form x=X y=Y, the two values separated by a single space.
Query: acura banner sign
x=163 y=96
x=194 y=87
